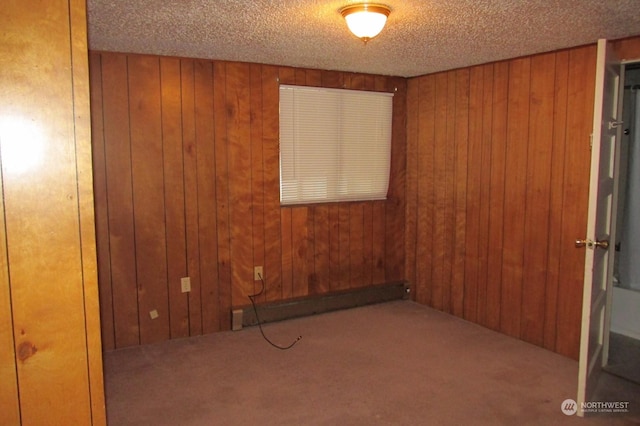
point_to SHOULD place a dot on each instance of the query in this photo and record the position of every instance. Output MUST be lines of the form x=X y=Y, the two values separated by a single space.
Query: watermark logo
x=569 y=407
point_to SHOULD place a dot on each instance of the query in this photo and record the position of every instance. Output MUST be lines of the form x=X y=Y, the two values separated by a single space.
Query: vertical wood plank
x=356 y=245
x=394 y=243
x=334 y=246
x=344 y=246
x=120 y=199
x=460 y=191
x=367 y=241
x=556 y=198
x=332 y=79
x=485 y=191
x=576 y=176
x=313 y=78
x=311 y=278
x=10 y=413
x=299 y=246
x=379 y=248
x=321 y=256
x=287 y=252
x=449 y=184
x=411 y=220
x=174 y=195
x=101 y=204
x=86 y=207
x=148 y=197
x=190 y=160
x=496 y=195
x=515 y=190
x=475 y=166
x=239 y=158
x=426 y=192
x=47 y=214
x=538 y=183
x=438 y=277
x=257 y=175
x=221 y=142
x=207 y=229
x=270 y=126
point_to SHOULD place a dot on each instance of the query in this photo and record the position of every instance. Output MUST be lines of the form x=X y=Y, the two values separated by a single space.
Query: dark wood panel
x=221 y=142
x=474 y=173
x=120 y=199
x=190 y=183
x=148 y=197
x=344 y=247
x=499 y=198
x=485 y=191
x=239 y=160
x=287 y=253
x=299 y=247
x=425 y=187
x=412 y=221
x=438 y=278
x=101 y=203
x=322 y=264
x=396 y=203
x=515 y=191
x=170 y=77
x=257 y=175
x=270 y=129
x=214 y=164
x=538 y=192
x=460 y=191
x=497 y=194
x=356 y=245
x=581 y=81
x=556 y=198
x=206 y=175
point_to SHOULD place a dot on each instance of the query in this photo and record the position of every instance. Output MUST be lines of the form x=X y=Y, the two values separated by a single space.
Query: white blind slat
x=335 y=144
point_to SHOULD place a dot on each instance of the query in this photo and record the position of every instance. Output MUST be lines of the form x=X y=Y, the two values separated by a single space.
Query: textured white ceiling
x=421 y=36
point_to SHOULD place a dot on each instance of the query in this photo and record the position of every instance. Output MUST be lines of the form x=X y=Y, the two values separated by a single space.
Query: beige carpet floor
x=397 y=363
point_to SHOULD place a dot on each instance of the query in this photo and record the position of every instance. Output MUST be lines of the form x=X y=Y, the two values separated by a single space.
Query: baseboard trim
x=244 y=316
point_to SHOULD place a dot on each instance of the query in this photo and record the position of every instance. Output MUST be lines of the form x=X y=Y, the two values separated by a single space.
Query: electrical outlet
x=257 y=273
x=153 y=314
x=185 y=284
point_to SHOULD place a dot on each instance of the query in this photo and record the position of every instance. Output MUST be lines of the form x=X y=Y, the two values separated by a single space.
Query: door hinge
x=591 y=140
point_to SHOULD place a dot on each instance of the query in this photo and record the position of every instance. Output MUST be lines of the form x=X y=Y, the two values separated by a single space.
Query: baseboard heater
x=244 y=316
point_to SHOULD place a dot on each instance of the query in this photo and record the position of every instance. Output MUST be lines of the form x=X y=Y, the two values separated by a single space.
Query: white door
x=598 y=258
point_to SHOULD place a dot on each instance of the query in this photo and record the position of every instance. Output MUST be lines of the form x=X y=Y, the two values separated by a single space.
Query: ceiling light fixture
x=365 y=20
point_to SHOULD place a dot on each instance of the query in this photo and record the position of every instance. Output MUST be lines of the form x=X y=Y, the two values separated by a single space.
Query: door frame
x=614 y=212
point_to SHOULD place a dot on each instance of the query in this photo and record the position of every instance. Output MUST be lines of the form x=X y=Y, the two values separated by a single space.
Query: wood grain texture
x=219 y=136
x=174 y=195
x=498 y=195
x=515 y=191
x=148 y=197
x=48 y=273
x=9 y=398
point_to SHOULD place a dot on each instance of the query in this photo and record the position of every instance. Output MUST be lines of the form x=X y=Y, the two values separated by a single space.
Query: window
x=335 y=144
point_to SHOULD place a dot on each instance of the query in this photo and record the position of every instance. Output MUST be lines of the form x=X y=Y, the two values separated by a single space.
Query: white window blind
x=335 y=144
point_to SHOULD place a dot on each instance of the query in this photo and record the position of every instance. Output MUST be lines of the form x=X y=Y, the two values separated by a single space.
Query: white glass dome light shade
x=365 y=20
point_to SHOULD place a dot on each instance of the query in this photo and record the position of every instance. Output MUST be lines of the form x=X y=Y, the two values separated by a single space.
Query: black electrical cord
x=255 y=310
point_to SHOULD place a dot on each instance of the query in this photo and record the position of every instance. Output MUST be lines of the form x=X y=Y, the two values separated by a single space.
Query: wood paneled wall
x=50 y=354
x=498 y=176
x=187 y=184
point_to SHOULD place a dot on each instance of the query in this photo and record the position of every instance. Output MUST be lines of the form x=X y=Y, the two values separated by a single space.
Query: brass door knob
x=603 y=244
